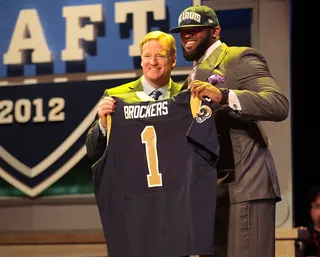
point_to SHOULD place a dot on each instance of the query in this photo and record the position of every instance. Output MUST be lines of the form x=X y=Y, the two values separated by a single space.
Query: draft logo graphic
x=43 y=129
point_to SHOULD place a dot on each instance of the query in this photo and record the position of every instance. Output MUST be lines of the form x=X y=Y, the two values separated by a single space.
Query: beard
x=199 y=51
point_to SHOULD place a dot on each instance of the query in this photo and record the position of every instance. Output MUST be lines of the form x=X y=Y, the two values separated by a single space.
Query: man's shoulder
x=176 y=85
x=241 y=50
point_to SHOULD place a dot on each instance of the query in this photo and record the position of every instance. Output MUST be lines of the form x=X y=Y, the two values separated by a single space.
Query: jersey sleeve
x=203 y=135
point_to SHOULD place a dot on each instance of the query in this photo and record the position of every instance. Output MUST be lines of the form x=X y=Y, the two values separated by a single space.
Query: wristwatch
x=225 y=95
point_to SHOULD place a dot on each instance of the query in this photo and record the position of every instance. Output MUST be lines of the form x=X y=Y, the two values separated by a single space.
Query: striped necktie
x=155 y=94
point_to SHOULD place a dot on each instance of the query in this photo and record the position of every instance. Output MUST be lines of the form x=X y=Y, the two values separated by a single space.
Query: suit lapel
x=207 y=66
x=136 y=85
x=174 y=88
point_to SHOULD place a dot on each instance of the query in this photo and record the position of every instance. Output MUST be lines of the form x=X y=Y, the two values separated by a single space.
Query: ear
x=174 y=60
x=216 y=31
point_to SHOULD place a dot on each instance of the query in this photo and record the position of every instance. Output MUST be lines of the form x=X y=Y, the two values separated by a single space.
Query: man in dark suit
x=158 y=58
x=238 y=81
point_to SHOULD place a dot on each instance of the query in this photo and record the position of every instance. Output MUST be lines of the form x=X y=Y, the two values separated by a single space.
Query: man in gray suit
x=243 y=92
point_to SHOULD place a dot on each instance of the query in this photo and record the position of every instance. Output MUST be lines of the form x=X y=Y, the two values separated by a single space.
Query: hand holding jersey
x=204 y=90
x=105 y=107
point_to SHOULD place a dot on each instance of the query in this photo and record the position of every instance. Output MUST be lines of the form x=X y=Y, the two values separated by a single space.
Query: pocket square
x=215 y=79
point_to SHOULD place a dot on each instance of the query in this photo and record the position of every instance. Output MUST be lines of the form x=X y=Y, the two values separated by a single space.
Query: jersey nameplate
x=146 y=111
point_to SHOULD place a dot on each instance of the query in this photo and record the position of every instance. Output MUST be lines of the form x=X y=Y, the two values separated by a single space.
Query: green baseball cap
x=196 y=16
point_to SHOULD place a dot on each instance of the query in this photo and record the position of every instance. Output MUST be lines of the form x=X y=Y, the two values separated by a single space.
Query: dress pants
x=245 y=229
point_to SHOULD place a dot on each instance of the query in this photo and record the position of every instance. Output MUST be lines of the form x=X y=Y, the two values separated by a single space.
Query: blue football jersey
x=155 y=185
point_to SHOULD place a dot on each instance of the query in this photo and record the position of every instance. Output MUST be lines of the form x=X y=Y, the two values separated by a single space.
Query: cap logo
x=189 y=16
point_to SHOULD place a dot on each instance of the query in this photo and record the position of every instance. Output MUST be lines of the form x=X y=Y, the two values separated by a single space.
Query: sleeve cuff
x=234 y=101
x=103 y=130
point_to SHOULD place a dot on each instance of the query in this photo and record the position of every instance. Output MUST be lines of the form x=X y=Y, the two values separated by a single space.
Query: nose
x=154 y=60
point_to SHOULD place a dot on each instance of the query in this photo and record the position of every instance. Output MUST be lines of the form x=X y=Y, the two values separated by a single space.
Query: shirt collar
x=209 y=51
x=148 y=88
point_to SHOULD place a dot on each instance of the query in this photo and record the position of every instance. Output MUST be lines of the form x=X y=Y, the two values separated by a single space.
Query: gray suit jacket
x=96 y=141
x=246 y=169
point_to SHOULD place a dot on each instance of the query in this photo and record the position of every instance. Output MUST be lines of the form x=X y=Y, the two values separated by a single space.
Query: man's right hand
x=203 y=90
x=106 y=106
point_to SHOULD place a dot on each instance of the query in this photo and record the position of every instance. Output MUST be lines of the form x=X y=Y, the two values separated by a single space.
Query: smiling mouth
x=189 y=44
